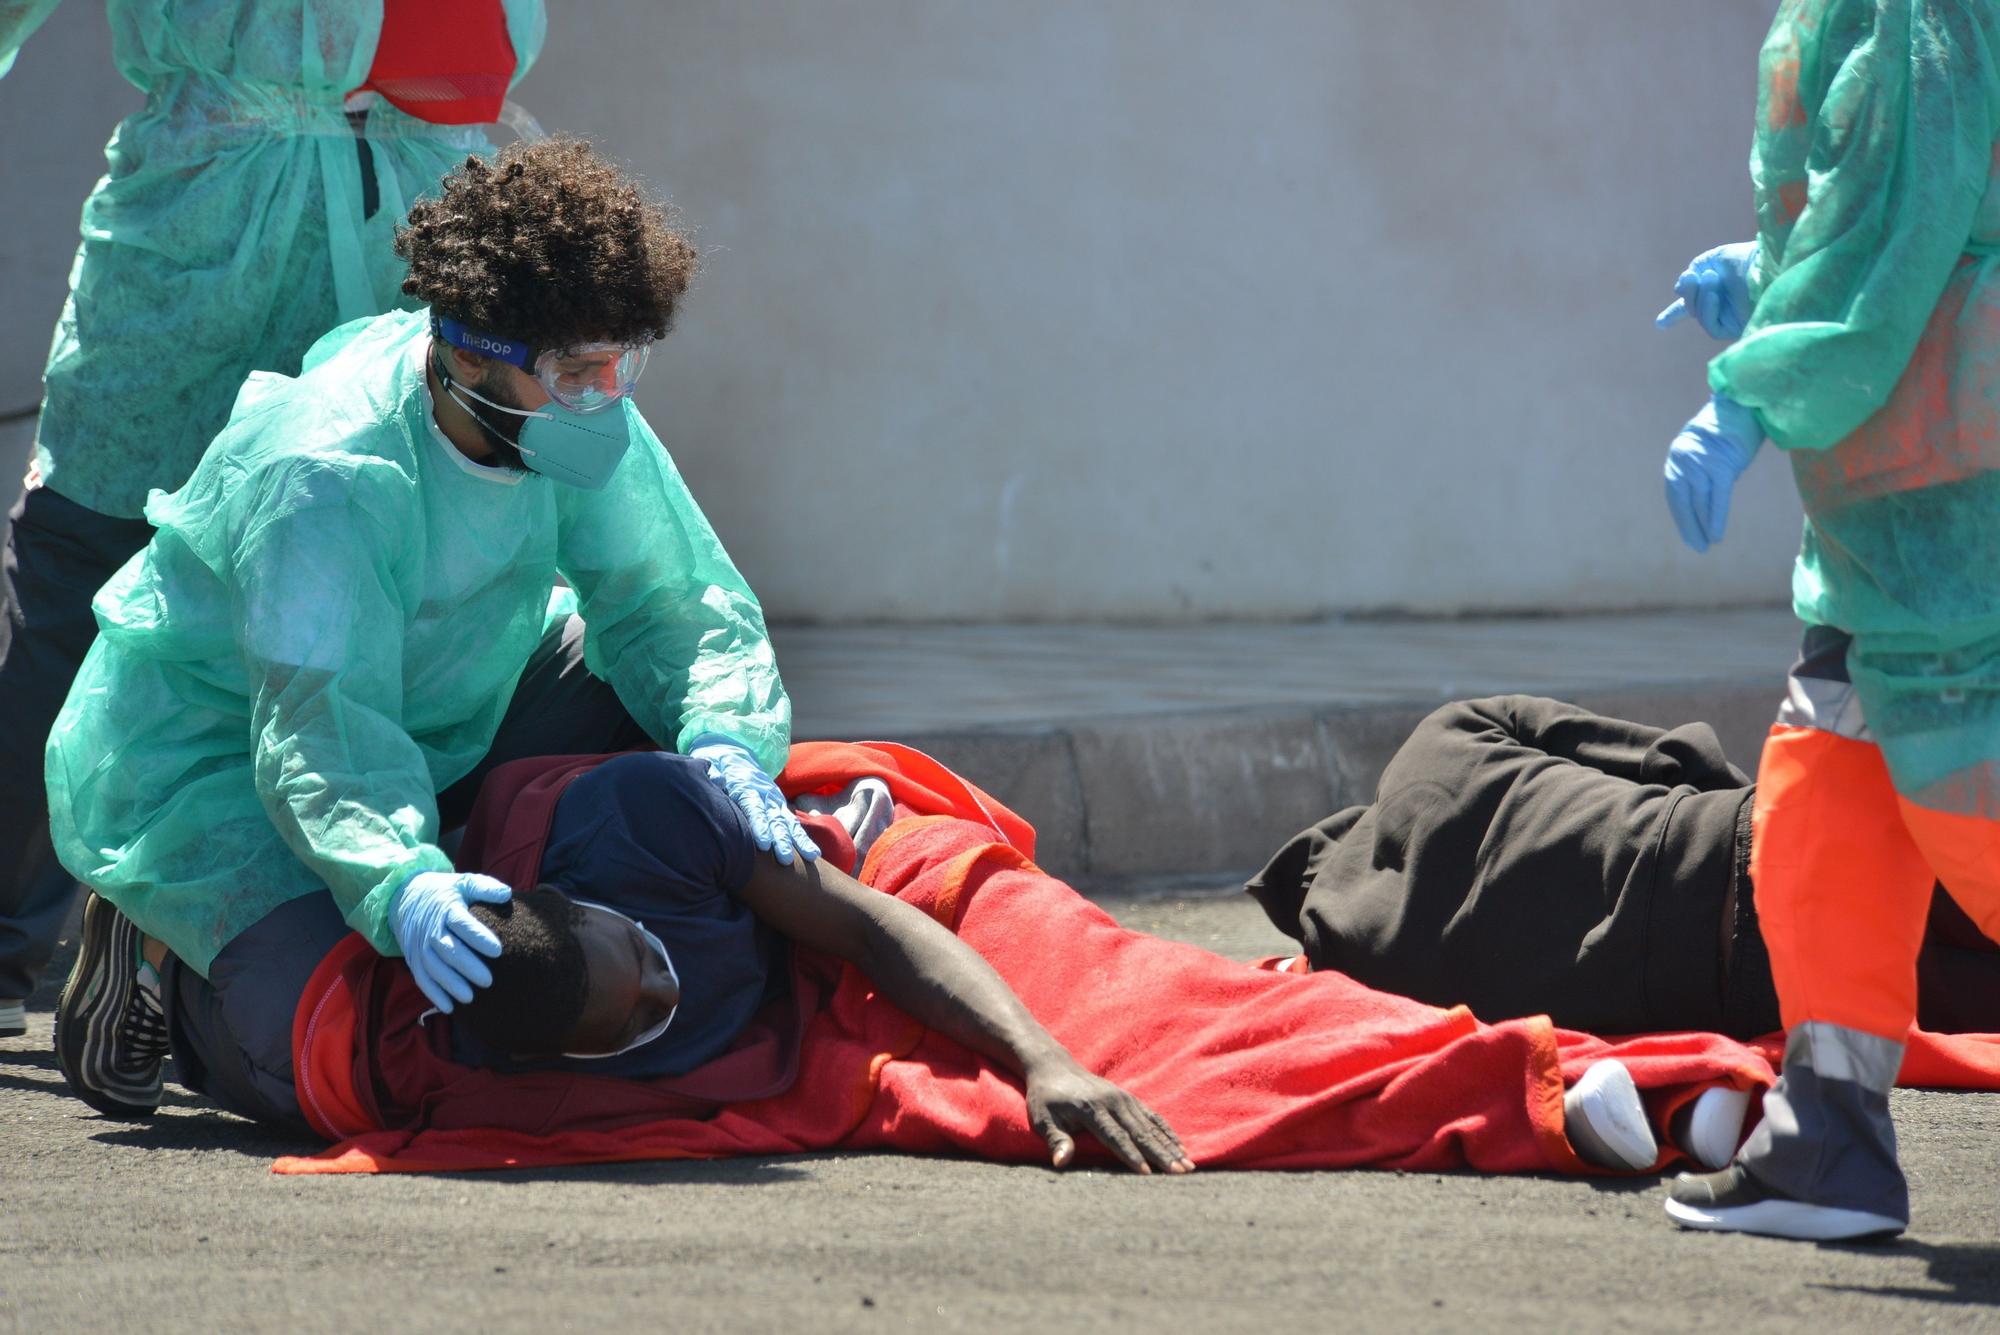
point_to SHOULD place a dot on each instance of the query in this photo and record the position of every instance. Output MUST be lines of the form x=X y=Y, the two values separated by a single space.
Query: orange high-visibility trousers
x=1964 y=851
x=1843 y=888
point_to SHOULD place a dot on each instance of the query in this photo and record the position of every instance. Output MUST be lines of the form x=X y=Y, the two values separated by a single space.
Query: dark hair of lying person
x=540 y=980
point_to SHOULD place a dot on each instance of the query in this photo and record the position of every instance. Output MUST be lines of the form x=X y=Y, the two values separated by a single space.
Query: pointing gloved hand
x=772 y=822
x=1715 y=289
x=1703 y=464
x=441 y=940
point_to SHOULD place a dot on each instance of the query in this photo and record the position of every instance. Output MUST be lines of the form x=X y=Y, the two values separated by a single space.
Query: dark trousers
x=57 y=555
x=231 y=1032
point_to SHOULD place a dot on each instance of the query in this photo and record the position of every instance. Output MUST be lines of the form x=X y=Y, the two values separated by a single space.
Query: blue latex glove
x=772 y=822
x=441 y=940
x=1703 y=464
x=1715 y=289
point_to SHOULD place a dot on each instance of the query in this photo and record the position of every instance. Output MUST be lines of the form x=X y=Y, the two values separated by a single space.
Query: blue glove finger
x=781 y=836
x=1687 y=290
x=443 y=977
x=760 y=824
x=1714 y=505
x=454 y=955
x=800 y=839
x=431 y=991
x=461 y=925
x=1714 y=300
x=1704 y=299
x=1672 y=315
x=484 y=890
x=1701 y=488
x=1717 y=519
x=785 y=831
x=1680 y=504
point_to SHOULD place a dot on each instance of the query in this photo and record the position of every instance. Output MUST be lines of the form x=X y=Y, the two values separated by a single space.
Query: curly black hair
x=547 y=243
x=541 y=978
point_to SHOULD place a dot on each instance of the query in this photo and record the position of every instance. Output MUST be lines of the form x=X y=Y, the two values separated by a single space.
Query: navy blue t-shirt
x=652 y=836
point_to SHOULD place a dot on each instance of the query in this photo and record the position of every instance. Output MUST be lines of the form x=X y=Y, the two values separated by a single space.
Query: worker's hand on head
x=1703 y=464
x=1715 y=289
x=772 y=822
x=1064 y=1099
x=440 y=939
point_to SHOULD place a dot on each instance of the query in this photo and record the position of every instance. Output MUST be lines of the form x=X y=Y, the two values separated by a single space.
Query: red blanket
x=1254 y=1069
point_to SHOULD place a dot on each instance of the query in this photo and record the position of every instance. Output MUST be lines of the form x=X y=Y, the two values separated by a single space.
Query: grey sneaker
x=111 y=1032
x=13 y=1018
x=1732 y=1201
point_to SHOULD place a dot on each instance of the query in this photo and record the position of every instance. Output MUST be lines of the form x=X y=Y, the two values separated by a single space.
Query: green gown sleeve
x=668 y=620
x=1899 y=100
x=318 y=608
x=18 y=21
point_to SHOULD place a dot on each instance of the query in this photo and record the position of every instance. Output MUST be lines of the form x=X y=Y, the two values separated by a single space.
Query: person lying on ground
x=656 y=949
x=1528 y=857
x=675 y=938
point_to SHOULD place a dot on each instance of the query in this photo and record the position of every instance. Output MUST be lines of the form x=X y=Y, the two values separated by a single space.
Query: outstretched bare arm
x=945 y=984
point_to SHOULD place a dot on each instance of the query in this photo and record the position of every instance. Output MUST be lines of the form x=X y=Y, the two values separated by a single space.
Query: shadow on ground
x=1969 y=1272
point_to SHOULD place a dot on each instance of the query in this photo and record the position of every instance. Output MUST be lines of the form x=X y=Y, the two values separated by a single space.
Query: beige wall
x=1137 y=308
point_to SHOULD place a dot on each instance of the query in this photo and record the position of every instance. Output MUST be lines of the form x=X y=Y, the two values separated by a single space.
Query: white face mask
x=658 y=1029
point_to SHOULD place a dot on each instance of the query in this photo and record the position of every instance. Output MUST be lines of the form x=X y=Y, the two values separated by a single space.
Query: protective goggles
x=585 y=378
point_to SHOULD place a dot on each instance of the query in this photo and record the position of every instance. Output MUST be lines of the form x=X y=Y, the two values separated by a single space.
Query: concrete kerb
x=1204 y=797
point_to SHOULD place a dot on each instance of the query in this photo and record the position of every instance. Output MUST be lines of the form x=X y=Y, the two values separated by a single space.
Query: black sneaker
x=111 y=1034
x=1732 y=1201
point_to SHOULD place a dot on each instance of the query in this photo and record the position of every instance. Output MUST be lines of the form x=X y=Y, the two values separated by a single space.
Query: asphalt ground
x=178 y=1225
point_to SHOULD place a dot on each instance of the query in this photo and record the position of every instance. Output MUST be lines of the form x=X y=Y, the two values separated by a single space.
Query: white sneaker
x=1606 y=1123
x=13 y=1019
x=1709 y=1130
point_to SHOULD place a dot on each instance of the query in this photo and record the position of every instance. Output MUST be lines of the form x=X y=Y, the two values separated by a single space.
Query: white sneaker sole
x=1786 y=1219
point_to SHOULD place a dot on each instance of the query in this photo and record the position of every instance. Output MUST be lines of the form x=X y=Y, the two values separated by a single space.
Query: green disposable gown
x=1872 y=356
x=229 y=230
x=329 y=624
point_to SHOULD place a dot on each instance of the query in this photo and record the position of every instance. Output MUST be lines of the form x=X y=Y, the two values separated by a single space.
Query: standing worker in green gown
x=350 y=614
x=1866 y=328
x=247 y=208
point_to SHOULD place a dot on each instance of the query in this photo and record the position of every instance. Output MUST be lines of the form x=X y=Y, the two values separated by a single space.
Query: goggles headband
x=510 y=350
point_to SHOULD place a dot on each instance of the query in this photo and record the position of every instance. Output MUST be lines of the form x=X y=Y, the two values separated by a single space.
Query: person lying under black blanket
x=1526 y=857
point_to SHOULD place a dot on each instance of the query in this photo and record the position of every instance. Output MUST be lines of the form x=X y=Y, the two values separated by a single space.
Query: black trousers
x=57 y=555
x=1527 y=857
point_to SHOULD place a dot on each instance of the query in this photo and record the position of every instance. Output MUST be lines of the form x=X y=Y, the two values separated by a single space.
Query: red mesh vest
x=444 y=61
